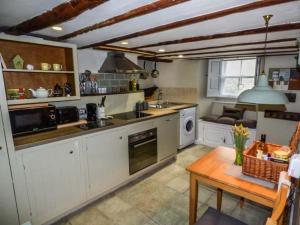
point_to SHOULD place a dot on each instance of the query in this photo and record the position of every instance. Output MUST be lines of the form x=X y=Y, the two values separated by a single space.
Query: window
x=236 y=76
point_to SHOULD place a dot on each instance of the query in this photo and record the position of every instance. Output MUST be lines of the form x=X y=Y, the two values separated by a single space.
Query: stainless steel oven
x=142 y=150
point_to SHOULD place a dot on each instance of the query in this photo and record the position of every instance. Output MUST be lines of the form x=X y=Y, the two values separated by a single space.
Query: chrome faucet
x=159 y=98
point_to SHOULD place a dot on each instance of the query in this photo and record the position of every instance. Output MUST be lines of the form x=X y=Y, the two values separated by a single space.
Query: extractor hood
x=116 y=62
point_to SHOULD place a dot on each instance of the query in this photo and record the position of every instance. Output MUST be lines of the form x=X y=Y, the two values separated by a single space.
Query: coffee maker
x=91 y=111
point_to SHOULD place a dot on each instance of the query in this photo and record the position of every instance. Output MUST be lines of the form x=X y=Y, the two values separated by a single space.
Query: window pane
x=248 y=67
x=234 y=86
x=230 y=86
x=232 y=68
x=247 y=83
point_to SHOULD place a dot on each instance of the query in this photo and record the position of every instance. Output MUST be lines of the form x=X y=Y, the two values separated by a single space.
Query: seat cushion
x=214 y=217
x=226 y=120
x=247 y=123
x=210 y=118
x=233 y=112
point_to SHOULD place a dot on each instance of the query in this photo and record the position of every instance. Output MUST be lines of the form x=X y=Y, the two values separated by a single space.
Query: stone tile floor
x=162 y=199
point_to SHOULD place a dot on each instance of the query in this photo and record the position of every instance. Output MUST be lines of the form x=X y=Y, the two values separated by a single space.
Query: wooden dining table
x=212 y=170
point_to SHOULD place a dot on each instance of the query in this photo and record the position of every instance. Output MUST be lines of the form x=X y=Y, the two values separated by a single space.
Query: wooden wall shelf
x=40 y=100
x=35 y=52
x=35 y=71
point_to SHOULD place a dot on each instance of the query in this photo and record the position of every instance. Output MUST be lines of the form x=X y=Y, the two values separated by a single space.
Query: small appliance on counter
x=67 y=114
x=141 y=106
x=32 y=120
x=91 y=111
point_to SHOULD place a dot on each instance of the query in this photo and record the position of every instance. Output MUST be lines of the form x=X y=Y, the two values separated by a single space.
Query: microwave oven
x=32 y=120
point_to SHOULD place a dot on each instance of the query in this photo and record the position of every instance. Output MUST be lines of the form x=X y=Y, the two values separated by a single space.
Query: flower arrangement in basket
x=240 y=136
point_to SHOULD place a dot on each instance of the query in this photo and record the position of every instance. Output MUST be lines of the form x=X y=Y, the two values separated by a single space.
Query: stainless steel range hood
x=116 y=62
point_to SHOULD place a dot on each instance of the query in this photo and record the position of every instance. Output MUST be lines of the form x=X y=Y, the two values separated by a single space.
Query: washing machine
x=187 y=127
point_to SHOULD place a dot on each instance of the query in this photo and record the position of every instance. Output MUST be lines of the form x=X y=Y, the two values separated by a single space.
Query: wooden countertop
x=74 y=131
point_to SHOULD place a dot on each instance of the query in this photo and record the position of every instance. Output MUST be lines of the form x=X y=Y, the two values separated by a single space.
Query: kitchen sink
x=164 y=105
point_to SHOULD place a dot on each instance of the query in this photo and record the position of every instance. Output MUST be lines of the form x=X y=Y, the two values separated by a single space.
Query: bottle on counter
x=262 y=144
x=130 y=85
x=134 y=84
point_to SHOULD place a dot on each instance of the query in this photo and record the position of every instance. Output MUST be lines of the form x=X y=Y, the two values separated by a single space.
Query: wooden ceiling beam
x=143 y=10
x=122 y=49
x=57 y=15
x=228 y=45
x=197 y=19
x=279 y=53
x=260 y=30
x=233 y=50
x=155 y=59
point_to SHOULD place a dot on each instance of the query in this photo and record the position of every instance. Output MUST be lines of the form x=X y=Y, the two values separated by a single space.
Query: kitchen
x=104 y=107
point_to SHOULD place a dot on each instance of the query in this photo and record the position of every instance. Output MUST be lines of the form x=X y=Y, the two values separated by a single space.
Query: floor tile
x=163 y=199
x=179 y=184
x=90 y=216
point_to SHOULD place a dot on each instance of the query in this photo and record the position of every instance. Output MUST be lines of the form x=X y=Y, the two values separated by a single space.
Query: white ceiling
x=13 y=12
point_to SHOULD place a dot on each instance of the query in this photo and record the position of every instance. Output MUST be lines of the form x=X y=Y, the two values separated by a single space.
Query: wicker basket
x=259 y=168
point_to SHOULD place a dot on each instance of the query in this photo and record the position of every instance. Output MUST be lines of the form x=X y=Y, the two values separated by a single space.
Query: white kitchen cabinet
x=215 y=134
x=167 y=136
x=53 y=179
x=107 y=160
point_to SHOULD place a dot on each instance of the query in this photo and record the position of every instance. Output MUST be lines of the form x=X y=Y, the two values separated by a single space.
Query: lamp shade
x=262 y=93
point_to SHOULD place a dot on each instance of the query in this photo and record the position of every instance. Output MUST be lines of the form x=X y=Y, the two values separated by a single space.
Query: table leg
x=193 y=199
x=219 y=199
x=242 y=201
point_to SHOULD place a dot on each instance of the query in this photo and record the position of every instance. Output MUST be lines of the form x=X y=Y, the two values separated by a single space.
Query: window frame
x=240 y=77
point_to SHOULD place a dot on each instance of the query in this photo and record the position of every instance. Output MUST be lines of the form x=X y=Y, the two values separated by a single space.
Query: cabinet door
x=107 y=160
x=53 y=179
x=214 y=135
x=167 y=136
x=8 y=210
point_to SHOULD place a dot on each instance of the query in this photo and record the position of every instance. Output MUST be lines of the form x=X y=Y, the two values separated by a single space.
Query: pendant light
x=262 y=93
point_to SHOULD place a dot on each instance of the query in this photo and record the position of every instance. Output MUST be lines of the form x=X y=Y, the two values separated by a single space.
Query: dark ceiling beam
x=279 y=53
x=143 y=10
x=234 y=50
x=57 y=15
x=197 y=19
x=155 y=59
x=228 y=45
x=260 y=30
x=122 y=49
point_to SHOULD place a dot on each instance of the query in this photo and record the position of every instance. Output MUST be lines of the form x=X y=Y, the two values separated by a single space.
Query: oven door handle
x=146 y=142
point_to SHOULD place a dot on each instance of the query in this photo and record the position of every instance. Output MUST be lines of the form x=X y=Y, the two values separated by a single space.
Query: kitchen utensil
x=57 y=91
x=103 y=101
x=144 y=75
x=41 y=92
x=100 y=112
x=68 y=89
x=45 y=66
x=155 y=72
x=29 y=67
x=57 y=67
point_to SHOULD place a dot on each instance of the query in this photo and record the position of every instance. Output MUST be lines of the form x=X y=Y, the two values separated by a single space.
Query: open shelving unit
x=35 y=52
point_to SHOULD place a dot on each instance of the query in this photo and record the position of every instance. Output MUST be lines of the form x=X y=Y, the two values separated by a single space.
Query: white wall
x=279 y=131
x=187 y=74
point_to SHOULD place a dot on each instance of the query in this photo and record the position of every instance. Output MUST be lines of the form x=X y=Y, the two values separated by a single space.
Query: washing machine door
x=189 y=125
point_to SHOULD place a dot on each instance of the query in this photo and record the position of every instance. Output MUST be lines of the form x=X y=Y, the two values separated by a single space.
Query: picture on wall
x=284 y=78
